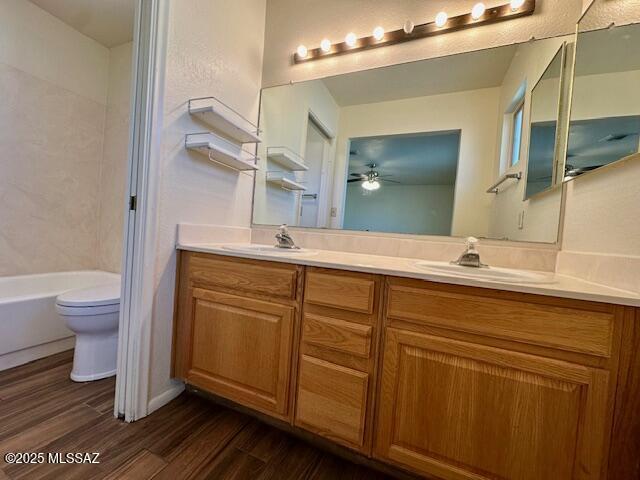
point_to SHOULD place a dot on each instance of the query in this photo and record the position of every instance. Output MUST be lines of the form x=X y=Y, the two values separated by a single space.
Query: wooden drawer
x=238 y=275
x=343 y=291
x=339 y=335
x=332 y=401
x=575 y=326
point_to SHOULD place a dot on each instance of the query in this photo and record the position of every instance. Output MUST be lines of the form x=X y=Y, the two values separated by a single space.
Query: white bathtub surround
x=113 y=168
x=30 y=328
x=618 y=271
x=526 y=256
x=64 y=140
x=555 y=285
x=51 y=140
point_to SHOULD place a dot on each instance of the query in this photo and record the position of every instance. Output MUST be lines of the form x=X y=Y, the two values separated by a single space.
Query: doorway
x=316 y=153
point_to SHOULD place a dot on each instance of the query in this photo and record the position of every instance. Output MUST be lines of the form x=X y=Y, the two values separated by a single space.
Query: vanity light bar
x=491 y=15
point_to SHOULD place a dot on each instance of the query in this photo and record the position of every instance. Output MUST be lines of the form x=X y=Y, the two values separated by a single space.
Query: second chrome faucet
x=284 y=239
x=470 y=257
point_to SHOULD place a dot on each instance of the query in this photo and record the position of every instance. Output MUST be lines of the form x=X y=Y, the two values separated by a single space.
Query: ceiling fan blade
x=387 y=180
x=354 y=180
x=363 y=175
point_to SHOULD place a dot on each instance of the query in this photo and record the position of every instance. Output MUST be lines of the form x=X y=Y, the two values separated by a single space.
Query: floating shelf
x=224 y=119
x=285 y=183
x=221 y=151
x=286 y=158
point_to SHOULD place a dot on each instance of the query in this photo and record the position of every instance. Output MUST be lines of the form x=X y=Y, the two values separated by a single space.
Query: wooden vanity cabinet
x=336 y=374
x=445 y=381
x=495 y=385
x=235 y=327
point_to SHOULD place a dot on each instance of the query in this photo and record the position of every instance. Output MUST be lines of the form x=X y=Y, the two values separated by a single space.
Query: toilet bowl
x=92 y=314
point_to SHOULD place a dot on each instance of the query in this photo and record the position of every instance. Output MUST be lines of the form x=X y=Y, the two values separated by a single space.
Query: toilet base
x=91 y=378
x=95 y=356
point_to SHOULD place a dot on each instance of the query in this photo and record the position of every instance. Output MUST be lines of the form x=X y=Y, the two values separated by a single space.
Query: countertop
x=556 y=286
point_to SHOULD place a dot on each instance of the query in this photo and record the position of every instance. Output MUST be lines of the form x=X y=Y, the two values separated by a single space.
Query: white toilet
x=92 y=314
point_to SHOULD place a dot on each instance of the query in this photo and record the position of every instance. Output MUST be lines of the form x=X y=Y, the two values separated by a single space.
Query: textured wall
x=214 y=47
x=292 y=22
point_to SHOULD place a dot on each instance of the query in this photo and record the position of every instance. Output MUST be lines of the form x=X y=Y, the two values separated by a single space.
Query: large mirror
x=435 y=147
x=605 y=108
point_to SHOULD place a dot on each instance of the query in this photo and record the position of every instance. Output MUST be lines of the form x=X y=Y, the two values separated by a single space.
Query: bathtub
x=30 y=328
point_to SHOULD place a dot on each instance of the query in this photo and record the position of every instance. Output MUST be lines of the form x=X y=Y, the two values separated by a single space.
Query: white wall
x=284 y=118
x=294 y=22
x=39 y=44
x=55 y=84
x=619 y=95
x=602 y=211
x=542 y=213
x=473 y=112
x=417 y=209
x=603 y=12
x=214 y=47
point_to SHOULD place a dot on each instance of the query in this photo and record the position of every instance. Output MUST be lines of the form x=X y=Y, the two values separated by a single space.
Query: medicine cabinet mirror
x=605 y=107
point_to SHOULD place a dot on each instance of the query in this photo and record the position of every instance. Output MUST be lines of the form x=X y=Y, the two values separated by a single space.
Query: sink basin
x=494 y=274
x=267 y=250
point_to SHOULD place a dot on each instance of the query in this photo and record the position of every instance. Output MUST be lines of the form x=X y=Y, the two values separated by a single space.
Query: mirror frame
x=558 y=156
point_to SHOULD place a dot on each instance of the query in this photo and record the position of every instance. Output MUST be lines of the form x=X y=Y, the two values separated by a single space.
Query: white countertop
x=557 y=285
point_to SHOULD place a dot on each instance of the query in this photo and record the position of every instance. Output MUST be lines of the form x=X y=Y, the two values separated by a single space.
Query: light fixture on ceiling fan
x=371 y=179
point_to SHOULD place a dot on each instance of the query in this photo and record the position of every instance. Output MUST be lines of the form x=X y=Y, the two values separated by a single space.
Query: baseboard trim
x=165 y=397
x=26 y=355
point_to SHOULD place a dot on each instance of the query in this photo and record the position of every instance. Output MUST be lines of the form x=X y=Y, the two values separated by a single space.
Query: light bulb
x=378 y=33
x=408 y=27
x=325 y=45
x=441 y=19
x=516 y=4
x=371 y=185
x=302 y=51
x=350 y=39
x=478 y=10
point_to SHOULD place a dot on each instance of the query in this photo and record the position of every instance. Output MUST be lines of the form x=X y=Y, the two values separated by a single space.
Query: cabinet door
x=463 y=411
x=241 y=349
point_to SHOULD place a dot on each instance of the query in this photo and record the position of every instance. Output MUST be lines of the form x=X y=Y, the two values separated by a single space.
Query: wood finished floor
x=41 y=410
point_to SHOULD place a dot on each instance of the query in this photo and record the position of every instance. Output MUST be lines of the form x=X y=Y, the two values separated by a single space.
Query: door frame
x=323 y=191
x=138 y=269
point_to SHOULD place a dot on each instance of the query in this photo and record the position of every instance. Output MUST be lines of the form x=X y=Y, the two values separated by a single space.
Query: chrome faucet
x=471 y=256
x=284 y=239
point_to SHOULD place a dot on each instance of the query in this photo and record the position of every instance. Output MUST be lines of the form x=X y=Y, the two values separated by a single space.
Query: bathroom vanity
x=440 y=379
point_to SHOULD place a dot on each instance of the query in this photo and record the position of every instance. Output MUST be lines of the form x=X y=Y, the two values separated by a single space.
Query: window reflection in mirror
x=545 y=103
x=516 y=133
x=605 y=109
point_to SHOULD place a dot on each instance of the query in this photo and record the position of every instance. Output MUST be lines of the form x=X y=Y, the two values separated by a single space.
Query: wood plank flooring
x=41 y=410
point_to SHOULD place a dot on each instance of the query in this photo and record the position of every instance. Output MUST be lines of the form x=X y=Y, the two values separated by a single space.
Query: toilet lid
x=108 y=294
